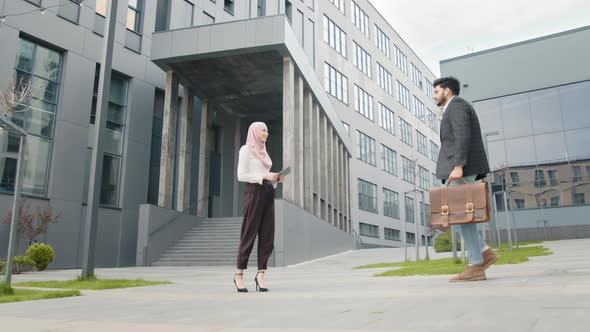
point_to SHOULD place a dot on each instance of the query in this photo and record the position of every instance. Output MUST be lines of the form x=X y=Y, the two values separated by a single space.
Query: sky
x=438 y=29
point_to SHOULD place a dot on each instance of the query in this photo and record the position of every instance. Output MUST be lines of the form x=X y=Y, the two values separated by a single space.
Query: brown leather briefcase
x=459 y=204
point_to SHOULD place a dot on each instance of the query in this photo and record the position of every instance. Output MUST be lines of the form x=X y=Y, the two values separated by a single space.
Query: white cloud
x=438 y=30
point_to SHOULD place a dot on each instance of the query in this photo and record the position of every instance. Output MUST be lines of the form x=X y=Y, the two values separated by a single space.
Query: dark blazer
x=461 y=141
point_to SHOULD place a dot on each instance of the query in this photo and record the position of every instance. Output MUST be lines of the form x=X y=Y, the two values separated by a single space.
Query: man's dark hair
x=448 y=82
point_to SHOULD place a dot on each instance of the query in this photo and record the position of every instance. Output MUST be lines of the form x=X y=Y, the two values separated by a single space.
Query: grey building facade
x=534 y=95
x=174 y=123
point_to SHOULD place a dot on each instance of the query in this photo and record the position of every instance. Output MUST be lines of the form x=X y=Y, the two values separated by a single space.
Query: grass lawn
x=447 y=266
x=92 y=284
x=8 y=294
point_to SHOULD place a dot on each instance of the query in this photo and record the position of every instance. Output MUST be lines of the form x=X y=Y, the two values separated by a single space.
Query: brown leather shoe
x=471 y=273
x=489 y=258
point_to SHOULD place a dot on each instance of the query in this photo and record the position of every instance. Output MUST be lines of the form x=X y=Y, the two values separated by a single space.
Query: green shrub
x=443 y=242
x=2 y=266
x=22 y=264
x=42 y=254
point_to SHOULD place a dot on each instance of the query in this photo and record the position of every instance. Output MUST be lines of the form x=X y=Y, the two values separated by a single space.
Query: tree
x=32 y=224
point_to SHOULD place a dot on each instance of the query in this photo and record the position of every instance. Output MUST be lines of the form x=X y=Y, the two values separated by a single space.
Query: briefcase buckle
x=444 y=210
x=469 y=207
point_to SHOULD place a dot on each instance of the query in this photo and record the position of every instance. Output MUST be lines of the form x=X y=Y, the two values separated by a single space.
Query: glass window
x=363 y=102
x=416 y=76
x=517 y=116
x=434 y=149
x=403 y=95
x=134 y=16
x=367 y=196
x=409 y=209
x=406 y=131
x=386 y=119
x=361 y=59
x=424 y=178
x=547 y=116
x=421 y=142
x=419 y=109
x=401 y=61
x=410 y=237
x=339 y=4
x=360 y=19
x=392 y=234
x=574 y=105
x=368 y=230
x=335 y=83
x=540 y=178
x=382 y=41
x=228 y=6
x=390 y=203
x=40 y=67
x=385 y=79
x=181 y=14
x=389 y=158
x=366 y=148
x=101 y=7
x=552 y=177
x=334 y=36
x=408 y=172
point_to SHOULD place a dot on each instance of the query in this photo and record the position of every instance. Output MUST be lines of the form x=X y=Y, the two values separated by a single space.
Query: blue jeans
x=472 y=239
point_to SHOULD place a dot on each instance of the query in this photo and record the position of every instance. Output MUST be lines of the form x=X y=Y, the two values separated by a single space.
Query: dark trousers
x=259 y=219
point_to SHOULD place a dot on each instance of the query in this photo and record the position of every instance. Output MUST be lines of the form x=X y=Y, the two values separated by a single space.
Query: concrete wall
x=544 y=62
x=300 y=236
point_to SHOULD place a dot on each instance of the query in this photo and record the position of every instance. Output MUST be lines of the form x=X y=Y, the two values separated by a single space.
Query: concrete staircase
x=212 y=242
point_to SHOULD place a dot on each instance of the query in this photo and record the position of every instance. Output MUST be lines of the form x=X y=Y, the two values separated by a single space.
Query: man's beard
x=442 y=101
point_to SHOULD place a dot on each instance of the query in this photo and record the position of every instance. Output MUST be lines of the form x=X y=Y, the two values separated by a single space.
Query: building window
x=579 y=199
x=435 y=181
x=228 y=6
x=289 y=11
x=339 y=4
x=113 y=141
x=368 y=230
x=519 y=203
x=410 y=210
x=540 y=178
x=390 y=203
x=408 y=173
x=392 y=234
x=346 y=127
x=101 y=7
x=555 y=201
x=403 y=95
x=385 y=79
x=156 y=146
x=416 y=76
x=261 y=8
x=429 y=89
x=577 y=173
x=421 y=142
x=434 y=149
x=335 y=83
x=363 y=102
x=406 y=132
x=367 y=196
x=401 y=61
x=334 y=36
x=410 y=237
x=588 y=171
x=424 y=178
x=386 y=119
x=69 y=10
x=433 y=121
x=419 y=109
x=515 y=179
x=361 y=59
x=426 y=215
x=552 y=177
x=382 y=41
x=389 y=158
x=366 y=148
x=40 y=67
x=181 y=14
x=134 y=16
x=208 y=19
x=360 y=19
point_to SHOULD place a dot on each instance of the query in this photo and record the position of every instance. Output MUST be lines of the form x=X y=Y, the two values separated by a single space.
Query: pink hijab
x=257 y=146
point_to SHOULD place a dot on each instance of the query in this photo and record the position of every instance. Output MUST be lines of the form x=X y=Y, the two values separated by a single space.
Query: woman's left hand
x=281 y=179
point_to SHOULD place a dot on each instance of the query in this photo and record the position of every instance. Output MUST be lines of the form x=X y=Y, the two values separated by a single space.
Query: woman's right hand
x=271 y=177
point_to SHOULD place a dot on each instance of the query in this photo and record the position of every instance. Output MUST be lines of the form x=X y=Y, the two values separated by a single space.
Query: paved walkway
x=549 y=293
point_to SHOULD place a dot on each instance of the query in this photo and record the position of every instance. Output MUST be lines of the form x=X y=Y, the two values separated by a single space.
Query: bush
x=41 y=254
x=443 y=242
x=2 y=266
x=22 y=264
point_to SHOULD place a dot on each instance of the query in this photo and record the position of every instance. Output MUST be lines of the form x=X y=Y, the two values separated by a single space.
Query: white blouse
x=250 y=168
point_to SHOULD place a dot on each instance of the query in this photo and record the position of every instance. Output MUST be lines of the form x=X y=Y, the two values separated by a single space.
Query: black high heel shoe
x=240 y=290
x=258 y=288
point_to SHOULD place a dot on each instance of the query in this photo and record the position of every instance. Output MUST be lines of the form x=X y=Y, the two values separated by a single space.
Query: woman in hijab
x=254 y=165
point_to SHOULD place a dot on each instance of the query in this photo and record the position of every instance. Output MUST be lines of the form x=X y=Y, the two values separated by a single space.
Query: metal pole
x=94 y=181
x=462 y=249
x=492 y=217
x=14 y=222
x=508 y=228
x=405 y=238
x=513 y=223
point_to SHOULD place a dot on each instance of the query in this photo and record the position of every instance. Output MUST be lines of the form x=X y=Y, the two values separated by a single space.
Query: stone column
x=298 y=177
x=204 y=151
x=317 y=173
x=184 y=151
x=168 y=148
x=330 y=172
x=308 y=146
x=289 y=127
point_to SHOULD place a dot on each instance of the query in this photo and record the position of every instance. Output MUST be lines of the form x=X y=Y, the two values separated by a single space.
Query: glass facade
x=540 y=156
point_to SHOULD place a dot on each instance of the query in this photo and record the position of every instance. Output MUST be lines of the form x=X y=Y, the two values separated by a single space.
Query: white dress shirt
x=250 y=168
